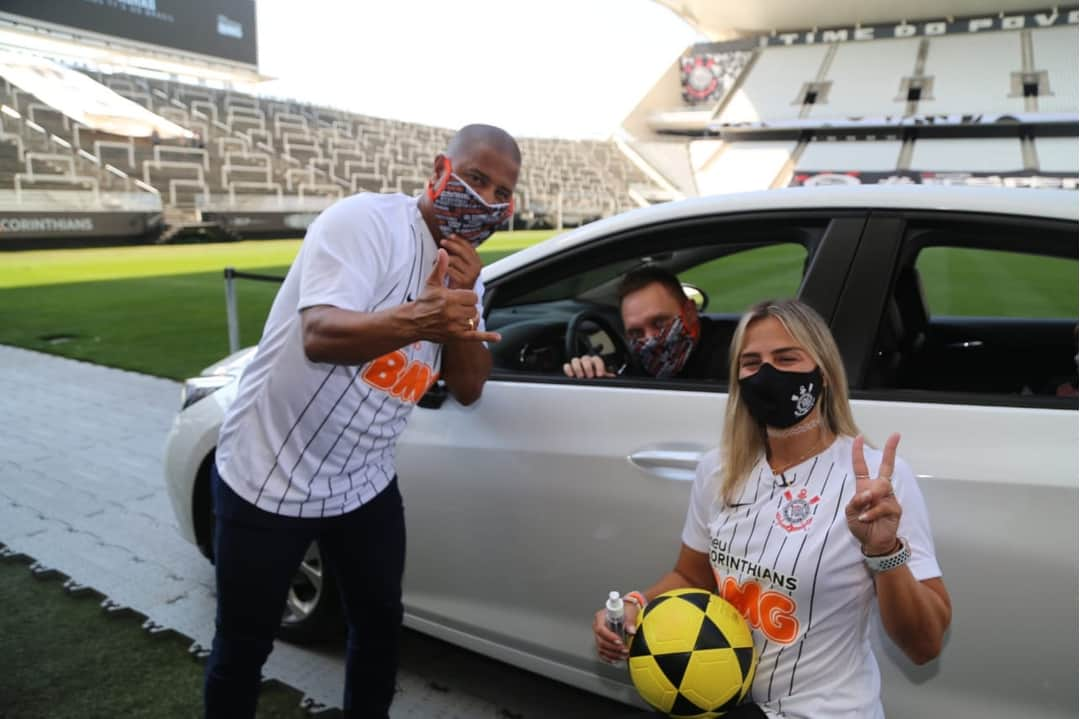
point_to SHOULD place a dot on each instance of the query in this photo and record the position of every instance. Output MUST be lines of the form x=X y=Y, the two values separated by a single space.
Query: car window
x=567 y=305
x=967 y=282
x=734 y=282
x=987 y=310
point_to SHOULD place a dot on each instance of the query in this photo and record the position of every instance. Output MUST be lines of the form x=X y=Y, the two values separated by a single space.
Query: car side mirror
x=696 y=295
x=435 y=396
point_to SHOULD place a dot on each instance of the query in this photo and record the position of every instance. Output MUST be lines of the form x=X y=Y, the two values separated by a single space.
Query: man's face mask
x=780 y=399
x=459 y=209
x=665 y=353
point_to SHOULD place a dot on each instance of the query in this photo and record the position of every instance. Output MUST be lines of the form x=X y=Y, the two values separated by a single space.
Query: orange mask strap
x=431 y=190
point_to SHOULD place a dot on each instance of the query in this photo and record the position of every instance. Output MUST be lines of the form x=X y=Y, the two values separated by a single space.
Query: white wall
x=973 y=74
x=866 y=78
x=1057 y=154
x=867 y=156
x=745 y=166
x=774 y=83
x=1055 y=50
x=968 y=154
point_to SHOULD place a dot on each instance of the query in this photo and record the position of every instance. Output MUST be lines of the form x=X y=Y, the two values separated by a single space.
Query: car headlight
x=197 y=388
x=232 y=365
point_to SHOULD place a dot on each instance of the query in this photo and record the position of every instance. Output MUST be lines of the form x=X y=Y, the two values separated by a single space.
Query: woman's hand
x=873 y=514
x=609 y=645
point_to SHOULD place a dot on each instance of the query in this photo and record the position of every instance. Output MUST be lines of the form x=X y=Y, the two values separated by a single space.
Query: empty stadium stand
x=994 y=106
x=263 y=165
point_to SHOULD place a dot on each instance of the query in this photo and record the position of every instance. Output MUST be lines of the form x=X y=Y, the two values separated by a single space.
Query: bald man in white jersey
x=383 y=299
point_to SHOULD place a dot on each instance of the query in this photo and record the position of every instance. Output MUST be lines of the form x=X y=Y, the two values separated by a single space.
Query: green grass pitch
x=161 y=309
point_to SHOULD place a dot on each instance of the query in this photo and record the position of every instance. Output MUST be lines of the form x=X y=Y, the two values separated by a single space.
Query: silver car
x=955 y=311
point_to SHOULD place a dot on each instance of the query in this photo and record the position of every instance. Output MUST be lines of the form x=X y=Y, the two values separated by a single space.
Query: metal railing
x=231 y=317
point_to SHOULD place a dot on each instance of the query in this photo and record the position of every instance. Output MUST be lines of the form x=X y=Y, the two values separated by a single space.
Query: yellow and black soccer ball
x=693 y=655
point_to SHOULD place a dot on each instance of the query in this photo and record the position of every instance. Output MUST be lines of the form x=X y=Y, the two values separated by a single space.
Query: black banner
x=1036 y=180
x=922 y=28
x=67 y=227
x=220 y=28
x=262 y=224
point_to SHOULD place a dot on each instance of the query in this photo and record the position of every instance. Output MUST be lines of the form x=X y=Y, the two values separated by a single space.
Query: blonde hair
x=743 y=440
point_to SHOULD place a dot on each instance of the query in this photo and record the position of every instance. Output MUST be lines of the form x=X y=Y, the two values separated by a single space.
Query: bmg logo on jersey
x=797 y=512
x=394 y=374
x=760 y=595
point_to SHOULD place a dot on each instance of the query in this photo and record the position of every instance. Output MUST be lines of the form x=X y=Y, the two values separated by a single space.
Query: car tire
x=312 y=608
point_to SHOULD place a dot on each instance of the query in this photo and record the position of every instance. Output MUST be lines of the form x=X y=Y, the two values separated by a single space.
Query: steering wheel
x=577 y=341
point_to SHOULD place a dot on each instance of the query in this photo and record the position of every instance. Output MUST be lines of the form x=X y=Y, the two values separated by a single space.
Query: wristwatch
x=890 y=561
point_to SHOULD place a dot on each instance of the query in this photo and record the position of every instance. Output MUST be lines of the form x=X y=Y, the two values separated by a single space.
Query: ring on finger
x=472 y=324
x=862 y=476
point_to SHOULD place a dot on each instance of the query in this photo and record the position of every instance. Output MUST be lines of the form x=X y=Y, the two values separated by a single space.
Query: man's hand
x=586 y=367
x=443 y=314
x=465 y=264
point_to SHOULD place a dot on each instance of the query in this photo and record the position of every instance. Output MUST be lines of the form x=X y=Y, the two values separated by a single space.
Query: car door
x=958 y=331
x=526 y=508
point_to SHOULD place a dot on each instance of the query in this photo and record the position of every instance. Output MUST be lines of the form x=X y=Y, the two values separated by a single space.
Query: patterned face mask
x=665 y=353
x=459 y=209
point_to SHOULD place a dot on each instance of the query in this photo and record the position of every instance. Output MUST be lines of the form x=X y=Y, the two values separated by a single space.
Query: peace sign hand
x=873 y=514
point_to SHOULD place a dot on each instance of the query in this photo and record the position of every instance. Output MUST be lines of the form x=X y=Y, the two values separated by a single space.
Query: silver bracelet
x=890 y=561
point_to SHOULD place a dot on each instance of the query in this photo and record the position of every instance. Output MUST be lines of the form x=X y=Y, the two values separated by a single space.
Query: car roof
x=1024 y=202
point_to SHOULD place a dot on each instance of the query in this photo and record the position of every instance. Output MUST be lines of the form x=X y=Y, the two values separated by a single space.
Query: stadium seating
x=775 y=86
x=989 y=103
x=963 y=87
x=1054 y=51
x=964 y=74
x=779 y=110
x=864 y=79
x=264 y=153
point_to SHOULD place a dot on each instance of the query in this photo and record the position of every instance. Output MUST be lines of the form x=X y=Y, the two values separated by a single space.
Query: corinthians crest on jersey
x=797 y=510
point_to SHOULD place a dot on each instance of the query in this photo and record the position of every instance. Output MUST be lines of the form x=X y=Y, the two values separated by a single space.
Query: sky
x=547 y=68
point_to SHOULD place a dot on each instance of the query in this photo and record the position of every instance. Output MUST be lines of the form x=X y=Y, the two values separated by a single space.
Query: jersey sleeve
x=915 y=523
x=695 y=532
x=345 y=252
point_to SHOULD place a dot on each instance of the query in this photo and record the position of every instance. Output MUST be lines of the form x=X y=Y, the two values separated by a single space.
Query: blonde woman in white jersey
x=800 y=525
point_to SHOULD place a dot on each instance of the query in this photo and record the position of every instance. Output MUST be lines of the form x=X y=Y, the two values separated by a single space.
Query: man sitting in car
x=665 y=333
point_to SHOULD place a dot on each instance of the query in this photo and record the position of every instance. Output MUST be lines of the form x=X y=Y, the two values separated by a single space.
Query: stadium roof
x=729 y=19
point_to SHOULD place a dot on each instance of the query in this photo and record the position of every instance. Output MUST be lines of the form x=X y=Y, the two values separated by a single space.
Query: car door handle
x=674 y=464
x=965 y=344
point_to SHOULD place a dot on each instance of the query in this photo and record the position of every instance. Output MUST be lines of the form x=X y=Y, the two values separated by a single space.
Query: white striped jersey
x=309 y=439
x=783 y=555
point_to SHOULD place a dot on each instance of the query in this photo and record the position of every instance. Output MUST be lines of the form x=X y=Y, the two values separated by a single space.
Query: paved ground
x=81 y=492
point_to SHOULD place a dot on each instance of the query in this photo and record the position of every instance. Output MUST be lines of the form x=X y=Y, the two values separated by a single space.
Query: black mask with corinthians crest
x=780 y=399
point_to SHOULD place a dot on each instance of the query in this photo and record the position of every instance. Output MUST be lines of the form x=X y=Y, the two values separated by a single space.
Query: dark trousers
x=255 y=556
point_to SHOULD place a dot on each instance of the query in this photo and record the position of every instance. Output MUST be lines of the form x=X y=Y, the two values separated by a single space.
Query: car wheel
x=312 y=608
